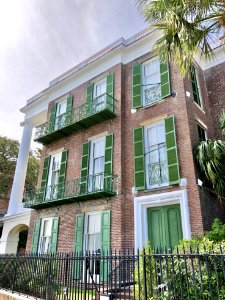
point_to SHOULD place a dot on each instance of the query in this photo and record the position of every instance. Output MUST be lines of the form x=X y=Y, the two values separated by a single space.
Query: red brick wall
x=215 y=82
x=122 y=221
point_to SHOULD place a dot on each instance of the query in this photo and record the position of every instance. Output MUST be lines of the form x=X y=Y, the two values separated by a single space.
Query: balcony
x=84 y=188
x=88 y=114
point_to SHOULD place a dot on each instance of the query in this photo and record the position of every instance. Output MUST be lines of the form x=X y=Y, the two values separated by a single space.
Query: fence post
x=85 y=275
x=49 y=291
x=144 y=275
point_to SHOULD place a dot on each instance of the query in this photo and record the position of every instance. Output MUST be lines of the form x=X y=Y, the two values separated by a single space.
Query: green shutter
x=78 y=246
x=51 y=124
x=62 y=174
x=44 y=178
x=105 y=244
x=54 y=235
x=136 y=86
x=165 y=80
x=139 y=159
x=110 y=85
x=69 y=108
x=110 y=92
x=195 y=87
x=35 y=237
x=84 y=168
x=89 y=98
x=108 y=162
x=172 y=157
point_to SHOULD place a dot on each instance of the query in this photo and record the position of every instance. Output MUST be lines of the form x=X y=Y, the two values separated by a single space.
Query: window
x=60 y=114
x=195 y=87
x=151 y=90
x=201 y=133
x=45 y=235
x=99 y=95
x=156 y=156
x=92 y=232
x=53 y=176
x=97 y=160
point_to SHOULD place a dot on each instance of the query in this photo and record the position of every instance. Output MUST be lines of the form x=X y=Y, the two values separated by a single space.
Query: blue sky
x=41 y=39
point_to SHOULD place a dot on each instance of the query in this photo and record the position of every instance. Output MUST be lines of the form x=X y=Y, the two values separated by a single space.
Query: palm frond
x=210 y=157
x=186 y=25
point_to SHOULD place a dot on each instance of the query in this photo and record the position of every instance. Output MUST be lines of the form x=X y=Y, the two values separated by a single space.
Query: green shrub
x=217 y=233
x=194 y=271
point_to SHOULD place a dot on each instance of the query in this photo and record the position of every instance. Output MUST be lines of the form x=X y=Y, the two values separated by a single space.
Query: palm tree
x=186 y=26
x=210 y=158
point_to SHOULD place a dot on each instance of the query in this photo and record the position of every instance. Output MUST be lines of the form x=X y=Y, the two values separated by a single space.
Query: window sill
x=165 y=187
x=152 y=104
x=202 y=110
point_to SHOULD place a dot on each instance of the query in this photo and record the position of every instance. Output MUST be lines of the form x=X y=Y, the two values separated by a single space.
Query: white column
x=15 y=202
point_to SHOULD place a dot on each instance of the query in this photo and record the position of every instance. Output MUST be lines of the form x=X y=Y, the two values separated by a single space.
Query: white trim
x=51 y=153
x=91 y=160
x=140 y=213
x=201 y=106
x=146 y=127
x=97 y=136
x=41 y=233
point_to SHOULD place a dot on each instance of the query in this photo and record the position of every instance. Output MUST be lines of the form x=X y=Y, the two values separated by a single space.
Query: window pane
x=91 y=224
x=156 y=156
x=99 y=148
x=47 y=228
x=61 y=108
x=151 y=81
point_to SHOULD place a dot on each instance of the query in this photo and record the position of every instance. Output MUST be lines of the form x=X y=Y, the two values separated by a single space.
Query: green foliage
x=34 y=276
x=32 y=169
x=8 y=155
x=210 y=158
x=186 y=26
x=217 y=233
x=139 y=273
x=192 y=272
x=9 y=150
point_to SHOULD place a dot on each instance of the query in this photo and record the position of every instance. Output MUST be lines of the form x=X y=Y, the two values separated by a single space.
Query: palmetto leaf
x=186 y=26
x=210 y=157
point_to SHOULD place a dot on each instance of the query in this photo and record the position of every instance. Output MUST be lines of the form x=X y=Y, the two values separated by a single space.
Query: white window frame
x=99 y=100
x=93 y=276
x=40 y=241
x=150 y=187
x=58 y=114
x=205 y=130
x=99 y=179
x=50 y=173
x=144 y=87
x=199 y=90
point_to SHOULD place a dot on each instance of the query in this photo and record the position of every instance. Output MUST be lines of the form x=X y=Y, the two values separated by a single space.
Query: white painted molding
x=140 y=213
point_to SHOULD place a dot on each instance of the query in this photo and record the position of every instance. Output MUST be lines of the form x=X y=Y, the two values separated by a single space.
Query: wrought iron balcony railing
x=83 y=188
x=158 y=174
x=99 y=109
x=152 y=94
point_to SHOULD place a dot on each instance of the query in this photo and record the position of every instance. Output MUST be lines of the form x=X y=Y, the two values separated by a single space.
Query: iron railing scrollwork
x=99 y=104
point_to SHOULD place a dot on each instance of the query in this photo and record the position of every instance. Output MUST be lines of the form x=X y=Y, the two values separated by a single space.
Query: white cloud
x=41 y=39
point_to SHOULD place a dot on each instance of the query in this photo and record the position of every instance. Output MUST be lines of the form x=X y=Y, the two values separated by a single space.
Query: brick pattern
x=215 y=82
x=187 y=115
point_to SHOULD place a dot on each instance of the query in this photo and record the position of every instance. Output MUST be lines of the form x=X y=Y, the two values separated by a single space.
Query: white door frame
x=140 y=213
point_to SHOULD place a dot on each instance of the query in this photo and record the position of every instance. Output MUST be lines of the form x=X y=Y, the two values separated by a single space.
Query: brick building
x=117 y=166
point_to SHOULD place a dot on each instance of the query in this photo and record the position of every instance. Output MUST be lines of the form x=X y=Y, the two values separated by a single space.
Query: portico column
x=16 y=197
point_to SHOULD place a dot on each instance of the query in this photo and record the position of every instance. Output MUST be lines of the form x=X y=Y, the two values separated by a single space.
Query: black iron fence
x=117 y=275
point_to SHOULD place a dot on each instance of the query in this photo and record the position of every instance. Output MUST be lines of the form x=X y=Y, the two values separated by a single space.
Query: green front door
x=164 y=225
